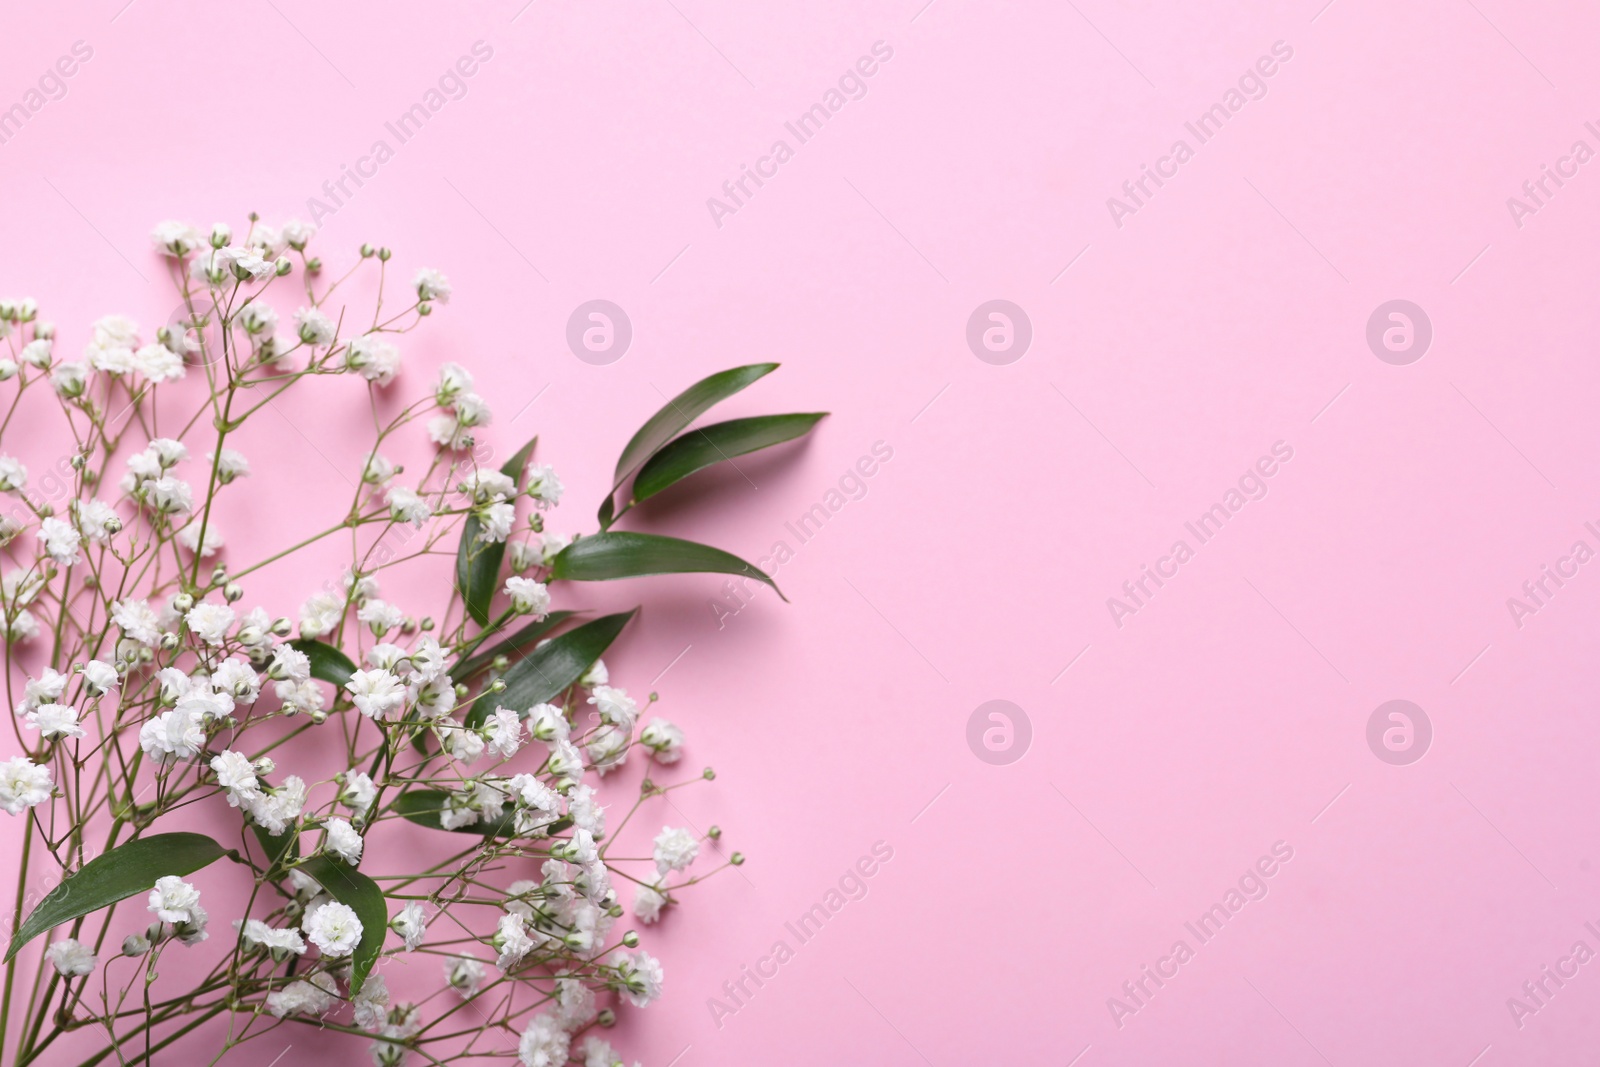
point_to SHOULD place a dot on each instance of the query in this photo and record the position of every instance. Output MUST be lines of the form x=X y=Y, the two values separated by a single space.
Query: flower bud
x=384 y=254
x=284 y=266
x=233 y=592
x=708 y=774
x=44 y=330
x=737 y=859
x=715 y=833
x=134 y=945
x=221 y=235
x=631 y=939
x=424 y=309
x=282 y=627
x=607 y=1018
x=169 y=642
x=182 y=602
x=367 y=251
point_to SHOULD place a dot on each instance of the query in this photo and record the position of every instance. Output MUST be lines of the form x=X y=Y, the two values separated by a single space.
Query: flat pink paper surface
x=1179 y=337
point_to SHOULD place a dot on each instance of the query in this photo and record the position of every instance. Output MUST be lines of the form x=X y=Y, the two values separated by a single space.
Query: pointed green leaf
x=699 y=449
x=478 y=563
x=126 y=870
x=511 y=646
x=549 y=670
x=349 y=886
x=604 y=556
x=674 y=417
x=327 y=662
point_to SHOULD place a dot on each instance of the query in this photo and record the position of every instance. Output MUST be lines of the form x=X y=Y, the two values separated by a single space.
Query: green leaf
x=699 y=449
x=551 y=668
x=327 y=662
x=284 y=847
x=478 y=564
x=510 y=646
x=126 y=870
x=349 y=886
x=604 y=556
x=672 y=419
x=422 y=806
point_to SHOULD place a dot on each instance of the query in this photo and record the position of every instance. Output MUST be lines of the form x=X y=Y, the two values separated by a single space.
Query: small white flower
x=289 y=663
x=61 y=540
x=371 y=1004
x=405 y=505
x=71 y=958
x=137 y=620
x=411 y=924
x=173 y=900
x=664 y=739
x=650 y=898
x=607 y=748
x=544 y=1043
x=380 y=616
x=159 y=364
x=70 y=379
x=377 y=469
x=546 y=722
x=13 y=475
x=638 y=976
x=172 y=735
x=333 y=928
x=311 y=997
x=595 y=675
x=97 y=520
x=281 y=943
x=544 y=486
x=432 y=286
x=258 y=320
x=486 y=486
x=675 y=849
x=189 y=538
x=340 y=838
x=615 y=706
x=236 y=774
x=100 y=677
x=453 y=381
x=115 y=360
x=116 y=330
x=504 y=732
x=177 y=239
x=55 y=720
x=464 y=974
x=314 y=327
x=376 y=360
x=357 y=792
x=463 y=745
x=277 y=808
x=511 y=940
x=237 y=678
x=297 y=233
x=169 y=495
x=209 y=622
x=23 y=785
x=320 y=614
x=168 y=451
x=376 y=693
x=36 y=353
x=528 y=597
x=230 y=465
x=495 y=522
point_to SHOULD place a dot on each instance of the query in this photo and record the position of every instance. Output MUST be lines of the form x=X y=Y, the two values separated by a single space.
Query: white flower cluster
x=307 y=731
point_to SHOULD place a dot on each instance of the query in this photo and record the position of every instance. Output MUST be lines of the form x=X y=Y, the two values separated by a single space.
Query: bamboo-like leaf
x=673 y=418
x=698 y=449
x=550 y=669
x=478 y=563
x=327 y=662
x=616 y=554
x=349 y=886
x=512 y=645
x=130 y=868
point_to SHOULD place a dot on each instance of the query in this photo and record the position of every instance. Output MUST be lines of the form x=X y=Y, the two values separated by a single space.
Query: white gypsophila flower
x=546 y=722
x=511 y=940
x=100 y=677
x=177 y=239
x=650 y=898
x=304 y=695
x=411 y=924
x=522 y=555
x=137 y=620
x=297 y=233
x=13 y=475
x=461 y=744
x=664 y=739
x=333 y=928
x=528 y=597
x=376 y=360
x=464 y=974
x=44 y=689
x=54 y=720
x=289 y=663
x=503 y=732
x=543 y=1043
x=485 y=485
x=60 y=540
x=281 y=943
x=173 y=900
x=36 y=353
x=8 y=368
x=406 y=505
x=454 y=379
x=320 y=614
x=615 y=706
x=637 y=975
x=230 y=465
x=432 y=286
x=357 y=792
x=70 y=379
x=472 y=410
x=116 y=330
x=495 y=522
x=371 y=1003
x=364 y=587
x=305 y=997
x=448 y=433
x=21 y=588
x=544 y=486
x=376 y=470
x=340 y=838
x=597 y=674
x=597 y=1052
x=265 y=239
x=97 y=520
x=23 y=785
x=168 y=451
x=20 y=625
x=71 y=958
x=189 y=538
x=258 y=320
x=169 y=495
x=607 y=748
x=238 y=679
x=172 y=735
x=314 y=327
x=115 y=360
x=376 y=693
x=586 y=811
x=391 y=657
x=276 y=809
x=380 y=616
x=209 y=622
x=159 y=364
x=236 y=774
x=574 y=1002
x=565 y=760
x=675 y=849
x=143 y=466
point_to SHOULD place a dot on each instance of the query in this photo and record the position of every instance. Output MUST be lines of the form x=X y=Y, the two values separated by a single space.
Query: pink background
x=1228 y=314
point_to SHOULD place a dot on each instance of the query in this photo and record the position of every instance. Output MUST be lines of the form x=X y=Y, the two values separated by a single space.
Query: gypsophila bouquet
x=249 y=809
